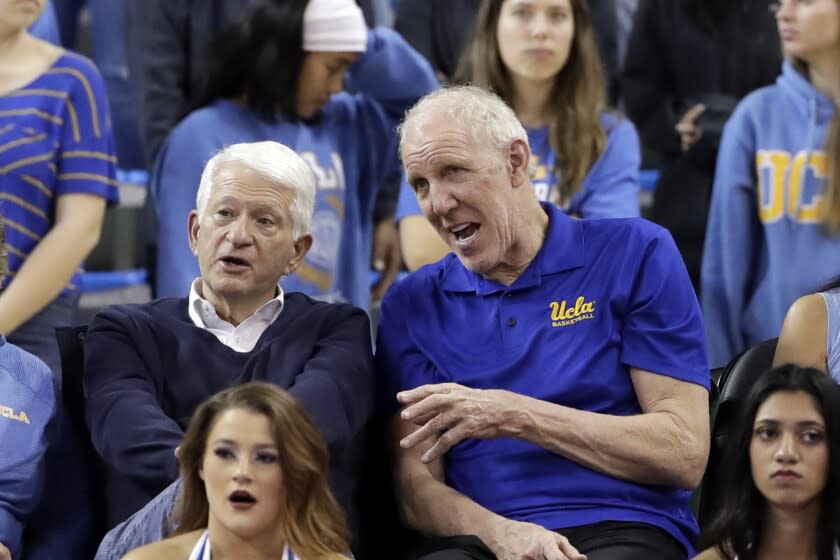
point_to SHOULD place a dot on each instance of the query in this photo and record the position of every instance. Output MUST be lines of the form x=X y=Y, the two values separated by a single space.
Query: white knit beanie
x=334 y=26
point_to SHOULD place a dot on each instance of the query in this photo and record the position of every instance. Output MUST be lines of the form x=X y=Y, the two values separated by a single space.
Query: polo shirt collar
x=562 y=250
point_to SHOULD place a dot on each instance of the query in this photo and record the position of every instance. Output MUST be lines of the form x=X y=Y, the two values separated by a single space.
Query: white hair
x=483 y=115
x=274 y=162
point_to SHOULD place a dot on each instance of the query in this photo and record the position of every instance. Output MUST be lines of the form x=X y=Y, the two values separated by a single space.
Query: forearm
x=433 y=508
x=146 y=455
x=45 y=273
x=650 y=448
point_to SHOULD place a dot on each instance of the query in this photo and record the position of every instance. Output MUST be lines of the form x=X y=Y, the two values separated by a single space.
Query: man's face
x=243 y=240
x=466 y=191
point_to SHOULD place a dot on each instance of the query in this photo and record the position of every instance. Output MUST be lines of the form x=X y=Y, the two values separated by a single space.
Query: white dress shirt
x=242 y=337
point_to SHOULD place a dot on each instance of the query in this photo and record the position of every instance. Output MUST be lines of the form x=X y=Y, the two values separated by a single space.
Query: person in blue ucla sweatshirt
x=775 y=211
x=278 y=74
x=27 y=409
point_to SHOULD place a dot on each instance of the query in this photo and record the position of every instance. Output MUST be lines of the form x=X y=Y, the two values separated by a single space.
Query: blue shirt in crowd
x=55 y=139
x=27 y=410
x=351 y=148
x=766 y=244
x=601 y=297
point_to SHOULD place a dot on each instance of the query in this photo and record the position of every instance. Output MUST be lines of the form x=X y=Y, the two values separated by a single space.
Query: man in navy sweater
x=147 y=367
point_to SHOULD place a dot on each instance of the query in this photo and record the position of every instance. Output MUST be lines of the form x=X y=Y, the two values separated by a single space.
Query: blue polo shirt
x=600 y=297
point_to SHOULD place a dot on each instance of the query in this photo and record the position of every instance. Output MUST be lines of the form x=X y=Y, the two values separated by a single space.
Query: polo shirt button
x=511 y=322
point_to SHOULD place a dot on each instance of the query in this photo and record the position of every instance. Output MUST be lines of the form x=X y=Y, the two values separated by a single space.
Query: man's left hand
x=451 y=413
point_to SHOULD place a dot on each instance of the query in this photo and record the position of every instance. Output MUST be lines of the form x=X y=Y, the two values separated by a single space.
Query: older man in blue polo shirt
x=551 y=371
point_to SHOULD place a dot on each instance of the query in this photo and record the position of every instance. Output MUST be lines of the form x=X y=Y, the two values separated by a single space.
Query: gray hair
x=274 y=162
x=483 y=115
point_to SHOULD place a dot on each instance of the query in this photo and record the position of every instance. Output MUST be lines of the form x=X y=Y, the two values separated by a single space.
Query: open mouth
x=242 y=499
x=465 y=233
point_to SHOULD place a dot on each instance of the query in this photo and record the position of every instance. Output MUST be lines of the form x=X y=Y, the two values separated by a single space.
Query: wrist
x=516 y=418
x=493 y=532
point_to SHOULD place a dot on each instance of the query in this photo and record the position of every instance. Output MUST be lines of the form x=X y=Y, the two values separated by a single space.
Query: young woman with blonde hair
x=255 y=485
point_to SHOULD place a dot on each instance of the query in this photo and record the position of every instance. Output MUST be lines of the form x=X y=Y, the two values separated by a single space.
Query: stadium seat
x=71 y=348
x=735 y=381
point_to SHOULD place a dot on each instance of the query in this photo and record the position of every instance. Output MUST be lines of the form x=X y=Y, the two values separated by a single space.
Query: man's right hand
x=4 y=553
x=515 y=540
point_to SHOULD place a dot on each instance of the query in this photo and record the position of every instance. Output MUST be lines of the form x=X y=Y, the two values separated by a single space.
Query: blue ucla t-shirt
x=601 y=297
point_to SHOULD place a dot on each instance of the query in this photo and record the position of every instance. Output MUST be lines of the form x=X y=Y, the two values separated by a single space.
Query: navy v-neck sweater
x=147 y=368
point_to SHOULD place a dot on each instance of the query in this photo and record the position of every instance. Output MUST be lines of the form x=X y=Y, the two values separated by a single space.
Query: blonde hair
x=315 y=525
x=831 y=210
x=831 y=215
x=577 y=101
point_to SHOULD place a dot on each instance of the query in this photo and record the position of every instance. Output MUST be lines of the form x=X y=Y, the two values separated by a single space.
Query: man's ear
x=192 y=231
x=519 y=159
x=302 y=246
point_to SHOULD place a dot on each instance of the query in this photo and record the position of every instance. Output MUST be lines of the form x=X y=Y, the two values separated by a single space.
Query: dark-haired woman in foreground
x=782 y=498
x=254 y=470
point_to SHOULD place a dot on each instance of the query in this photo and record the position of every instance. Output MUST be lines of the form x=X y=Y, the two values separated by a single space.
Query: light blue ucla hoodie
x=765 y=245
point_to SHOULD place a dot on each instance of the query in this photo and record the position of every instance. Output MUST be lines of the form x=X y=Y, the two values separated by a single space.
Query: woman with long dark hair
x=782 y=494
x=254 y=468
x=541 y=57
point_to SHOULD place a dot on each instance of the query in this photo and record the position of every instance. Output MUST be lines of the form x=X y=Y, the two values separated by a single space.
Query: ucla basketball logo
x=562 y=315
x=6 y=412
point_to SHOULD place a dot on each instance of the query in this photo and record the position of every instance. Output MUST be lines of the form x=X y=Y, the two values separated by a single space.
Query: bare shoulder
x=808 y=307
x=803 y=337
x=710 y=554
x=175 y=548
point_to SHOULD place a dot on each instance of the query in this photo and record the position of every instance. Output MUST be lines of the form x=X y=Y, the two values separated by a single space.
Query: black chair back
x=735 y=381
x=71 y=347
